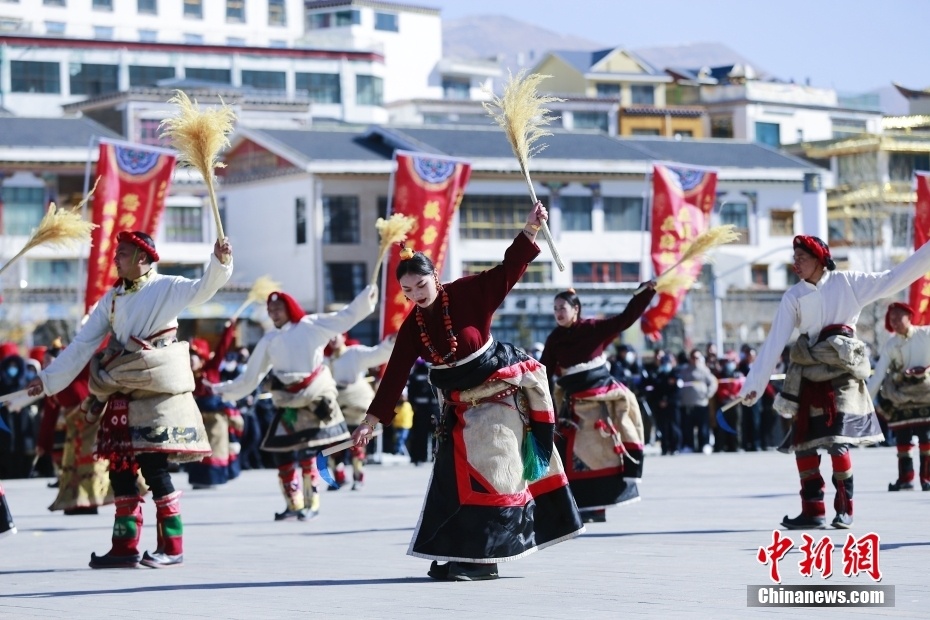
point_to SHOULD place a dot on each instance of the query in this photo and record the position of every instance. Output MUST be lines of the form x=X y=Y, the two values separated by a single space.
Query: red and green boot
x=169 y=552
x=127 y=529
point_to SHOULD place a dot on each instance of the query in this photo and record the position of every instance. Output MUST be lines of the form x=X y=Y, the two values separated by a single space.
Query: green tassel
x=534 y=465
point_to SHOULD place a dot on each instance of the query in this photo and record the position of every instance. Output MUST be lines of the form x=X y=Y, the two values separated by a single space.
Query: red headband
x=897 y=306
x=201 y=348
x=293 y=309
x=131 y=237
x=815 y=247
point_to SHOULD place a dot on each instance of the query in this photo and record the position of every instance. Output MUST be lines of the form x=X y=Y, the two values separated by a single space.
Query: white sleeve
x=369 y=357
x=786 y=319
x=243 y=385
x=869 y=287
x=878 y=374
x=64 y=368
x=344 y=320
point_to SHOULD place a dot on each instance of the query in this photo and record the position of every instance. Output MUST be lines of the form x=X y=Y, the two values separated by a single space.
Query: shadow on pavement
x=673 y=533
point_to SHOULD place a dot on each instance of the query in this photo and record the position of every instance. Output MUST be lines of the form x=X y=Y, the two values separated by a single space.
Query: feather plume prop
x=704 y=243
x=261 y=289
x=199 y=136
x=522 y=114
x=672 y=282
x=392 y=230
x=59 y=227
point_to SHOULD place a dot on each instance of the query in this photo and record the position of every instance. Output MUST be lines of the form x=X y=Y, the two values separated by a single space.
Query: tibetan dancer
x=825 y=385
x=307 y=412
x=143 y=391
x=349 y=365
x=219 y=418
x=600 y=434
x=497 y=491
x=903 y=378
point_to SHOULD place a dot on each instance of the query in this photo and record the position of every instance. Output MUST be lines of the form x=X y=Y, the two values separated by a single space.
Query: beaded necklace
x=447 y=322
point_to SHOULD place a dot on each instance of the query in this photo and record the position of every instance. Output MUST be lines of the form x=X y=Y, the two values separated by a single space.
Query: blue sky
x=850 y=45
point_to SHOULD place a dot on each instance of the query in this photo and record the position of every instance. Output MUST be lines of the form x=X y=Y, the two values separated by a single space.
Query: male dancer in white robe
x=144 y=381
x=308 y=416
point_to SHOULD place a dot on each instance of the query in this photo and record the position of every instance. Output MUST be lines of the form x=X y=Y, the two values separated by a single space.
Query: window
x=184 y=224
x=369 y=90
x=264 y=80
x=193 y=39
x=340 y=219
x=90 y=79
x=103 y=33
x=235 y=41
x=140 y=75
x=623 y=213
x=684 y=133
x=848 y=127
x=343 y=281
x=605 y=273
x=149 y=133
x=537 y=272
x=54 y=2
x=721 y=126
x=644 y=131
x=322 y=87
x=191 y=272
x=147 y=7
x=643 y=94
x=102 y=5
x=608 y=90
x=52 y=273
x=318 y=21
x=235 y=11
x=277 y=15
x=278 y=43
x=35 y=77
x=23 y=208
x=737 y=214
x=902 y=166
x=781 y=223
x=791 y=276
x=590 y=120
x=901 y=230
x=193 y=9
x=300 y=220
x=218 y=76
x=491 y=217
x=576 y=212
x=387 y=22
x=54 y=27
x=347 y=18
x=148 y=36
x=456 y=87
x=768 y=133
x=760 y=275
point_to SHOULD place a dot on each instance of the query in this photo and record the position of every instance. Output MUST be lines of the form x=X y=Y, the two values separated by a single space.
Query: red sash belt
x=819 y=394
x=303 y=383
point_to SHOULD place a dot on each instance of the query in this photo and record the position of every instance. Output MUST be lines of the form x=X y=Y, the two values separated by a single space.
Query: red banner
x=429 y=189
x=682 y=200
x=130 y=195
x=920 y=290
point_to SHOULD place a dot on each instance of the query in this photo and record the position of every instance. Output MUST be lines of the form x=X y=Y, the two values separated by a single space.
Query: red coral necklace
x=450 y=335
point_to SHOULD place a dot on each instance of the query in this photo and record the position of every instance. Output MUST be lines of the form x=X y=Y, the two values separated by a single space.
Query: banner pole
x=85 y=248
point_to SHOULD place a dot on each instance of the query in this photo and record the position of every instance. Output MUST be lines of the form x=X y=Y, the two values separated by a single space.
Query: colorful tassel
x=534 y=463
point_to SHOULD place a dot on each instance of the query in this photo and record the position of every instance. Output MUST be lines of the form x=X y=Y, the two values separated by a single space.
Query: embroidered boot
x=813 y=511
x=127 y=529
x=843 y=482
x=170 y=550
x=290 y=488
x=310 y=477
x=7 y=528
x=358 y=467
x=905 y=481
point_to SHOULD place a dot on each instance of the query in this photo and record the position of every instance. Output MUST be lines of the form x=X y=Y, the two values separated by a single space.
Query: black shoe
x=438 y=571
x=113 y=561
x=925 y=486
x=53 y=485
x=903 y=486
x=593 y=516
x=162 y=560
x=467 y=571
x=81 y=510
x=842 y=521
x=804 y=522
x=630 y=494
x=290 y=515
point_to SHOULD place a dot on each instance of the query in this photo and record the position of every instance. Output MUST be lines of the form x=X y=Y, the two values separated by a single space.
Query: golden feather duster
x=705 y=242
x=392 y=230
x=59 y=227
x=261 y=289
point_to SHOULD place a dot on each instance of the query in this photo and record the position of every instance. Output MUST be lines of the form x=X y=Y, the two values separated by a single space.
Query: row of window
x=94 y=79
x=387 y=22
x=193 y=9
x=641 y=94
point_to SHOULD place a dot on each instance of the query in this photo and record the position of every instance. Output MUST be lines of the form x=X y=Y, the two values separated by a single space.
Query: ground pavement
x=687 y=550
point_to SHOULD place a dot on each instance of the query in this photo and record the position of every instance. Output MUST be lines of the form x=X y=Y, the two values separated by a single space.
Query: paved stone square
x=687 y=550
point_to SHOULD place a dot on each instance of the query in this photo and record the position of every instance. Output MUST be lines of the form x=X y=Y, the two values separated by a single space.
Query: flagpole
x=384 y=272
x=94 y=141
x=647 y=207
